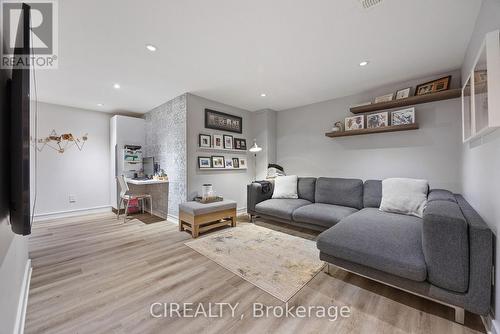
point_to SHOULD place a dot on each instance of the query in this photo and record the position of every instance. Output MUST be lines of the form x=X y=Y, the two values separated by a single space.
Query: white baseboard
x=72 y=213
x=489 y=324
x=23 y=300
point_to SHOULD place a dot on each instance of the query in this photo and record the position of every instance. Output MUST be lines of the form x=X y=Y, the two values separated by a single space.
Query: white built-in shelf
x=221 y=150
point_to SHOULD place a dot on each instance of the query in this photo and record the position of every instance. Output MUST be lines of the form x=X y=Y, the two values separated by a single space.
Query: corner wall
x=481 y=157
x=432 y=152
x=166 y=142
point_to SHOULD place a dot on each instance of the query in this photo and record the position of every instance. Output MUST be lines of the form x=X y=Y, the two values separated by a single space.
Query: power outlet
x=72 y=198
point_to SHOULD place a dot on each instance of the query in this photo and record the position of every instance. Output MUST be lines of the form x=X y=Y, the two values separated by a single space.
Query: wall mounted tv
x=20 y=217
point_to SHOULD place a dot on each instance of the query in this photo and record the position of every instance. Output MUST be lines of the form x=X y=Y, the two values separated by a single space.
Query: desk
x=144 y=182
x=158 y=189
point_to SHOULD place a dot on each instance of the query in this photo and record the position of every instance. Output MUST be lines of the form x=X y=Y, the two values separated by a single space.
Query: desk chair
x=126 y=196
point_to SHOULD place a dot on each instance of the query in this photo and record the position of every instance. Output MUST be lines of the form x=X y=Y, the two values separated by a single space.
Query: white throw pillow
x=285 y=187
x=405 y=196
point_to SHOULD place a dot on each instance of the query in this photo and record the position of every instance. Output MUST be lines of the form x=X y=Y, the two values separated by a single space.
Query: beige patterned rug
x=278 y=263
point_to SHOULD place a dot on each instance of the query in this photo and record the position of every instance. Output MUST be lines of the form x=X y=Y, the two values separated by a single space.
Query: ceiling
x=297 y=52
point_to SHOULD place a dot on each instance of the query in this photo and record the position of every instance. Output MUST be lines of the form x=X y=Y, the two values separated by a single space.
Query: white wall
x=481 y=158
x=230 y=184
x=433 y=152
x=264 y=129
x=85 y=173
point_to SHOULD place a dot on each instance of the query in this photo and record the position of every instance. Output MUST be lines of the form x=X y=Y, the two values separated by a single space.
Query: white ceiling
x=296 y=51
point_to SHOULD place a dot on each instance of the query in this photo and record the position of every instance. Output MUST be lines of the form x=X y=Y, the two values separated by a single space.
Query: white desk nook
x=158 y=189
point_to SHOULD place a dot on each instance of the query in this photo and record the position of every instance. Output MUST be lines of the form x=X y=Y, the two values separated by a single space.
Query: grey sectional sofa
x=446 y=256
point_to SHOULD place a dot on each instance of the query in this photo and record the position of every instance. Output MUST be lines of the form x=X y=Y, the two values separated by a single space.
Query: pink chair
x=126 y=196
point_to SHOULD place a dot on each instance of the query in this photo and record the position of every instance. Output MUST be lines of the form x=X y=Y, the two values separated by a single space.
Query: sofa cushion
x=441 y=195
x=306 y=187
x=321 y=214
x=405 y=196
x=280 y=208
x=285 y=187
x=372 y=193
x=343 y=192
x=445 y=245
x=385 y=241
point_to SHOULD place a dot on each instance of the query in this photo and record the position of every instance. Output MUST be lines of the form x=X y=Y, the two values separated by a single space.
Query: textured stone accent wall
x=166 y=142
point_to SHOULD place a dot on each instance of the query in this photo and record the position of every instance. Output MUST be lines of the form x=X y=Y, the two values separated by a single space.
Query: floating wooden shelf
x=391 y=128
x=409 y=101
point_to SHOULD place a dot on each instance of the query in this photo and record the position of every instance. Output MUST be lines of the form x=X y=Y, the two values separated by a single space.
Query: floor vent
x=366 y=4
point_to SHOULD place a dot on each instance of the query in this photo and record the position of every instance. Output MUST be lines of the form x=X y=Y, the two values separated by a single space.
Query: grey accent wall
x=230 y=184
x=433 y=152
x=166 y=142
x=481 y=157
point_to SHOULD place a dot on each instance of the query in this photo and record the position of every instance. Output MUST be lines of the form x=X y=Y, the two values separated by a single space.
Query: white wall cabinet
x=481 y=92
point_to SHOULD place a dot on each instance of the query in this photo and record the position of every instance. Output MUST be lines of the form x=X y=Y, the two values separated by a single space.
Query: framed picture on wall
x=229 y=163
x=221 y=121
x=354 y=123
x=205 y=140
x=242 y=163
x=236 y=163
x=204 y=162
x=218 y=162
x=402 y=117
x=435 y=86
x=240 y=144
x=218 y=142
x=377 y=120
x=228 y=142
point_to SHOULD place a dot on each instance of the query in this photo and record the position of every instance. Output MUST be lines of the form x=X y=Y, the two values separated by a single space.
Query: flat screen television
x=20 y=205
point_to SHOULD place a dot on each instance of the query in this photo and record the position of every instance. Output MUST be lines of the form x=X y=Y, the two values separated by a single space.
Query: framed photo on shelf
x=218 y=162
x=205 y=140
x=354 y=123
x=229 y=163
x=228 y=142
x=242 y=162
x=403 y=117
x=236 y=163
x=403 y=93
x=377 y=120
x=384 y=98
x=240 y=144
x=204 y=162
x=218 y=142
x=434 y=86
x=221 y=121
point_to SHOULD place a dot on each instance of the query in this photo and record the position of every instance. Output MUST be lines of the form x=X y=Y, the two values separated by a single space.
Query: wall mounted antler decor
x=60 y=143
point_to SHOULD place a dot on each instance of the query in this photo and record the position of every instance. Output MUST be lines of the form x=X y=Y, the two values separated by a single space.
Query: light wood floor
x=95 y=274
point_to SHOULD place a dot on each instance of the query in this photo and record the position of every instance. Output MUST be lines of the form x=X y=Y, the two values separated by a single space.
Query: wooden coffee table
x=198 y=218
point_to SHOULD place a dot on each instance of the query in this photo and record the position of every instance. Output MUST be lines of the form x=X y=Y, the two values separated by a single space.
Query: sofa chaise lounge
x=446 y=256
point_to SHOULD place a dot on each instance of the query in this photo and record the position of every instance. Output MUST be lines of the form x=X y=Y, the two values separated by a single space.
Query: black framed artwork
x=221 y=121
x=240 y=144
x=205 y=140
x=204 y=162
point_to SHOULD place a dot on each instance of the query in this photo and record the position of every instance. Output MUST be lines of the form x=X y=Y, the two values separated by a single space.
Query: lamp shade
x=255 y=148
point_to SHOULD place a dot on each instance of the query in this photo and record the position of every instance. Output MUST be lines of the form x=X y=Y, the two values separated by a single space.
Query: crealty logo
x=35 y=47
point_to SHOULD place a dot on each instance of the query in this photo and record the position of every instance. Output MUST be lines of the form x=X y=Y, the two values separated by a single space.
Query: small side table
x=198 y=218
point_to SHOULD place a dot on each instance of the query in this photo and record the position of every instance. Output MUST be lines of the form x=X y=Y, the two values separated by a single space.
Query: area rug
x=278 y=263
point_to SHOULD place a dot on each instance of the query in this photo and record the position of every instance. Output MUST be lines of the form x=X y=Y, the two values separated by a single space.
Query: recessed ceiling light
x=100 y=105
x=151 y=47
x=116 y=86
x=363 y=63
x=263 y=95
